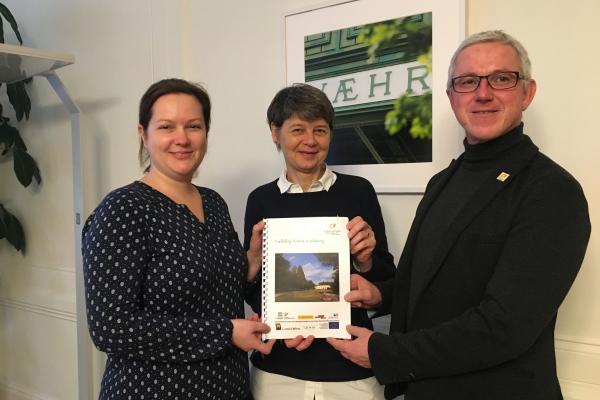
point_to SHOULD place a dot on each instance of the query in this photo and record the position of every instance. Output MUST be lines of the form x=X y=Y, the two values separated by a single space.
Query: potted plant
x=12 y=145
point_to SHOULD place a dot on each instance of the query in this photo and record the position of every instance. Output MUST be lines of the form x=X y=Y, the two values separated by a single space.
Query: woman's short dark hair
x=308 y=102
x=164 y=87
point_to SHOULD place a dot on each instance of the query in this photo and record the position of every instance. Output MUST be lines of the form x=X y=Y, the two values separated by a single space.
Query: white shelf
x=18 y=62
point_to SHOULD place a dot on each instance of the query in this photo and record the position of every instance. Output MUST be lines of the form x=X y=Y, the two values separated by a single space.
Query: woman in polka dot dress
x=164 y=270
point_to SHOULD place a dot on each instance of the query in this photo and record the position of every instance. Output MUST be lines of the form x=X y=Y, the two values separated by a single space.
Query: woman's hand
x=247 y=335
x=254 y=252
x=362 y=242
x=299 y=343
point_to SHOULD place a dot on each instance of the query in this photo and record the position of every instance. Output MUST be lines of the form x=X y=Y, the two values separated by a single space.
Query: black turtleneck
x=476 y=164
x=486 y=155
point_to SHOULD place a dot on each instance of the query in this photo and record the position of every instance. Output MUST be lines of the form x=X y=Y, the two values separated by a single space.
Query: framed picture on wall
x=383 y=64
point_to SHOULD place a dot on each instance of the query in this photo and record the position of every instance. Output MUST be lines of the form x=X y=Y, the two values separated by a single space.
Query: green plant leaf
x=10 y=138
x=25 y=167
x=412 y=112
x=19 y=99
x=11 y=20
x=8 y=134
x=3 y=119
x=13 y=230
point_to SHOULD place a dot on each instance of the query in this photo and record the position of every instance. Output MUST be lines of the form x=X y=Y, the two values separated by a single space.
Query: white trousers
x=268 y=386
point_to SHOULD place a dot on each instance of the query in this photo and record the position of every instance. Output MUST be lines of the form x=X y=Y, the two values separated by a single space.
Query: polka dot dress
x=161 y=288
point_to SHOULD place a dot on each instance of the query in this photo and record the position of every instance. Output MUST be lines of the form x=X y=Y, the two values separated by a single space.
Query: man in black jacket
x=495 y=245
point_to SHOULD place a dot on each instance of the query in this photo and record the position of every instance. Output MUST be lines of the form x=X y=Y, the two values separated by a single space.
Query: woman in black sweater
x=301 y=121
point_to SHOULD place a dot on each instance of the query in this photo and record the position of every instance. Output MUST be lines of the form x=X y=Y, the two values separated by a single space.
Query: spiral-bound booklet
x=306 y=272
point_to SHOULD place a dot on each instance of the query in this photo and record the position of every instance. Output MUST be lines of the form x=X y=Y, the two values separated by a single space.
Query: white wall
x=236 y=48
x=561 y=38
x=113 y=43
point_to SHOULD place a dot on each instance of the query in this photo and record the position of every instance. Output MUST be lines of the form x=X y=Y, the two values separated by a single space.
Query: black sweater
x=350 y=196
x=477 y=165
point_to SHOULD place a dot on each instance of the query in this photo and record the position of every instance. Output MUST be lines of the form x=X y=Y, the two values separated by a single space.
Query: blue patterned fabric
x=161 y=290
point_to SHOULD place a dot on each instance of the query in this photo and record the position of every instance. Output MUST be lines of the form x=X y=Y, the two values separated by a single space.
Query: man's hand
x=247 y=335
x=254 y=253
x=356 y=350
x=362 y=293
x=362 y=242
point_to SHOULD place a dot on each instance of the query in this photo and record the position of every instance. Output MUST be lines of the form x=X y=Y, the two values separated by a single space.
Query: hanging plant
x=11 y=142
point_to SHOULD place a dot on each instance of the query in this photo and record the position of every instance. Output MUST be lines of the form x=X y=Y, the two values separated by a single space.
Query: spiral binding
x=265 y=275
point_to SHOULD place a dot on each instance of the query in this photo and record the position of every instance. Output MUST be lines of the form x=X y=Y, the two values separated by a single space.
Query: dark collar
x=481 y=154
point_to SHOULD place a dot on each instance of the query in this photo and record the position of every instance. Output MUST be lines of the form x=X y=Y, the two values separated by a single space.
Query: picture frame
x=447 y=30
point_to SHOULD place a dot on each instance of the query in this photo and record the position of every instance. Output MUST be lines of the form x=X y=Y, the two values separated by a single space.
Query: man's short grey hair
x=492 y=37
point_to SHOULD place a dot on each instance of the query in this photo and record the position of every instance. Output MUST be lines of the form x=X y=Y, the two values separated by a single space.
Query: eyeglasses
x=498 y=80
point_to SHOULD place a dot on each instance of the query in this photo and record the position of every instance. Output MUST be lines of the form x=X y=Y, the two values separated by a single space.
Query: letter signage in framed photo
x=383 y=64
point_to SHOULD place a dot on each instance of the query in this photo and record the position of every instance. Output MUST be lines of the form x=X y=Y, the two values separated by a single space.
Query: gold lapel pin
x=503 y=176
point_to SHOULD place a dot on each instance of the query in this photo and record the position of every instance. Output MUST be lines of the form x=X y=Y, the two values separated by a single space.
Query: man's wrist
x=362 y=267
